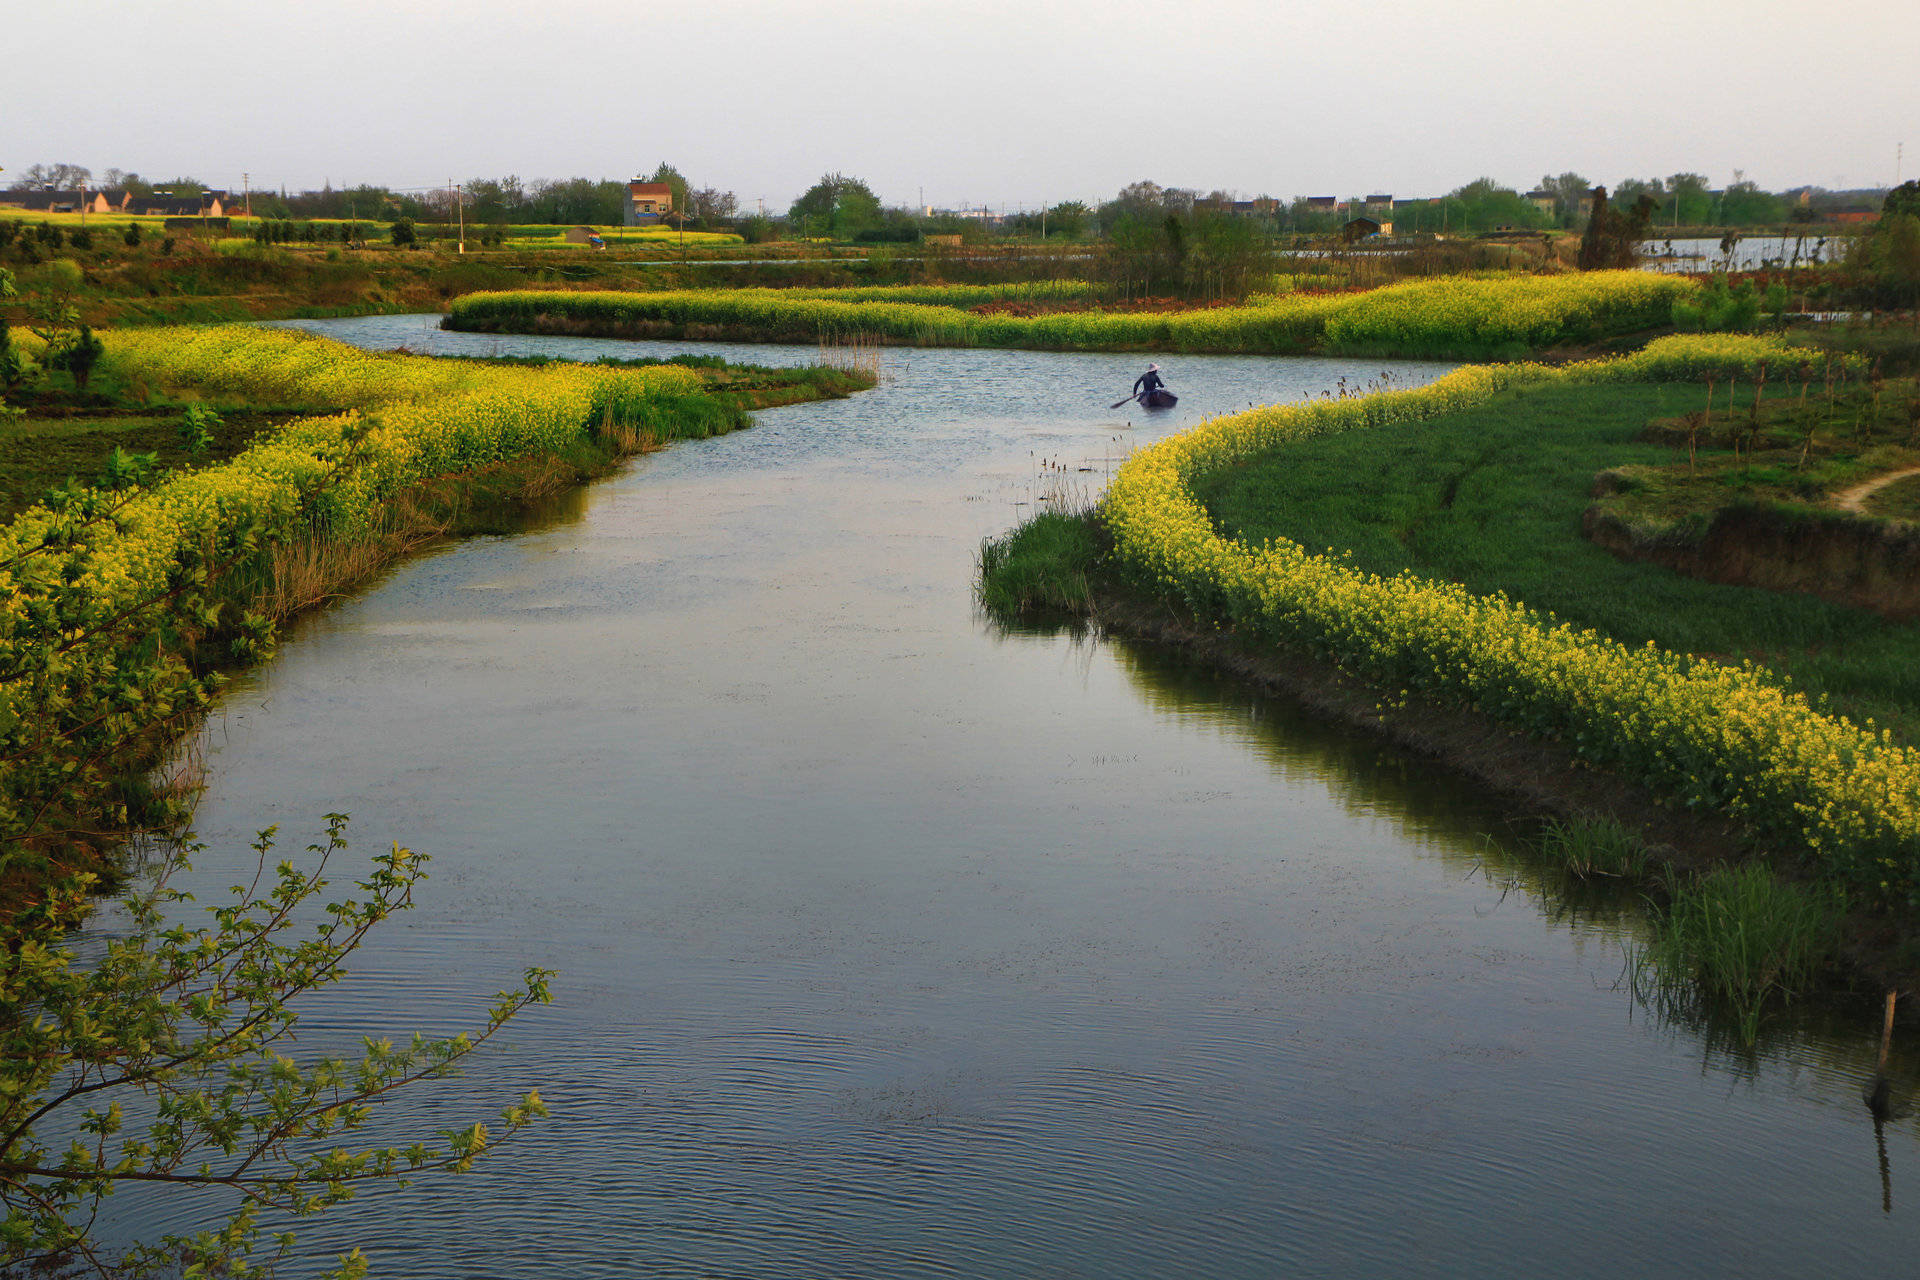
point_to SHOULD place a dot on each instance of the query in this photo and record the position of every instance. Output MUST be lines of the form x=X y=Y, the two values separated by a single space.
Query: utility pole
x=460 y=203
x=246 y=184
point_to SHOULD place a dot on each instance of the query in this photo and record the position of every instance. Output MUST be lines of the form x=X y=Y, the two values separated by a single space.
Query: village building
x=164 y=204
x=41 y=201
x=648 y=203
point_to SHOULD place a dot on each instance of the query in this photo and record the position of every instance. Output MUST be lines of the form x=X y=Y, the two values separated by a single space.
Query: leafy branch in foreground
x=156 y=1064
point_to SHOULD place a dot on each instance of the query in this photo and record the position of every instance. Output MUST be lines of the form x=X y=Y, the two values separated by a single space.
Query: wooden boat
x=1159 y=399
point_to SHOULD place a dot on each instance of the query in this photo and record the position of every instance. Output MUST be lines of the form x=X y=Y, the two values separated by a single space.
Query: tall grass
x=1595 y=847
x=1045 y=564
x=1741 y=937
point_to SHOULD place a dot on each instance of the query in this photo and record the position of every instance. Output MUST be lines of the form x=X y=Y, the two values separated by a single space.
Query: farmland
x=1453 y=317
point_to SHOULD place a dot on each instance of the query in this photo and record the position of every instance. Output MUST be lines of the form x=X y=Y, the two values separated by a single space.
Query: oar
x=1117 y=403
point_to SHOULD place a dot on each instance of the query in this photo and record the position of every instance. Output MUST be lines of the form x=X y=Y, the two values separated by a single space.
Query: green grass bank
x=1452 y=317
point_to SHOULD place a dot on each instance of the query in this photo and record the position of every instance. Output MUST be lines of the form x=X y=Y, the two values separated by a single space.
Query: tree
x=1904 y=198
x=158 y=1064
x=15 y=366
x=55 y=308
x=1570 y=192
x=673 y=178
x=401 y=232
x=835 y=206
x=1484 y=204
x=710 y=205
x=1688 y=201
x=1068 y=218
x=69 y=177
x=1744 y=204
x=1895 y=255
x=1613 y=239
x=497 y=200
x=131 y=235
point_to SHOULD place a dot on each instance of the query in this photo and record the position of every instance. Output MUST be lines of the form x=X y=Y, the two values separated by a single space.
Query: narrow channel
x=893 y=944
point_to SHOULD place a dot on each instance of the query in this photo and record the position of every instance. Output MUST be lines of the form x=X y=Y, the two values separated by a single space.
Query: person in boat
x=1148 y=383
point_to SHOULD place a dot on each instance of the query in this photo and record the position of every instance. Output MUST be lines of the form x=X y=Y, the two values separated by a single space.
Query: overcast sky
x=978 y=101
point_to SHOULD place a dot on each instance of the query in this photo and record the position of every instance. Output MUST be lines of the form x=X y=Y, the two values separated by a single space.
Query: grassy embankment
x=1453 y=317
x=1450 y=506
x=123 y=608
x=186 y=280
x=1492 y=497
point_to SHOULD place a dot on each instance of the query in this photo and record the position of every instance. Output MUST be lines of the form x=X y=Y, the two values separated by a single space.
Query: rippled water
x=893 y=945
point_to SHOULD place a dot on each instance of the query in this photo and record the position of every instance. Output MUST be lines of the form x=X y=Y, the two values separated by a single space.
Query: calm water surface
x=894 y=945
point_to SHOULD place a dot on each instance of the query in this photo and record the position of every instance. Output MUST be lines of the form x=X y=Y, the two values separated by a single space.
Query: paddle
x=1117 y=403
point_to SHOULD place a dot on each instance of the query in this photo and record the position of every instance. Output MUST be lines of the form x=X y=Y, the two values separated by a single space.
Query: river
x=894 y=944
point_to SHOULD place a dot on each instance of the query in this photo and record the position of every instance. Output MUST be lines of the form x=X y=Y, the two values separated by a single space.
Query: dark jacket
x=1147 y=382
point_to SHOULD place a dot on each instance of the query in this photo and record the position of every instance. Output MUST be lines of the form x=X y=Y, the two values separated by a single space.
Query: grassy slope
x=68 y=437
x=1492 y=498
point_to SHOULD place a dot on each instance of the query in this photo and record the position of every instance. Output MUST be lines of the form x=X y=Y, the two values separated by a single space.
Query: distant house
x=584 y=235
x=1544 y=201
x=1855 y=214
x=48 y=201
x=1378 y=202
x=1360 y=229
x=65 y=201
x=1260 y=208
x=1323 y=204
x=164 y=204
x=648 y=203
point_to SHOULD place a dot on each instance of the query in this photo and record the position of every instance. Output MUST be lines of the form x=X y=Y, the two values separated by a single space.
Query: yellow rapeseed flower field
x=1705 y=735
x=1417 y=317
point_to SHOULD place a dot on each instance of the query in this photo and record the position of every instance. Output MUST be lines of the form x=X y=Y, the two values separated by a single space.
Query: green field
x=1491 y=497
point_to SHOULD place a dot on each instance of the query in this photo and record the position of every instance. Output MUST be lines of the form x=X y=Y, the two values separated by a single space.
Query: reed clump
x=1590 y=848
x=1740 y=937
x=1046 y=564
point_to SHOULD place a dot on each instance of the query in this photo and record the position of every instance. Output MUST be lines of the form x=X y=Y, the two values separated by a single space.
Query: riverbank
x=1450 y=318
x=1060 y=570
x=129 y=606
x=1202 y=540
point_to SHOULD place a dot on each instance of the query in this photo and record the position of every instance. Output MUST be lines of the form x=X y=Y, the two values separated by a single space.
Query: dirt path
x=1855 y=499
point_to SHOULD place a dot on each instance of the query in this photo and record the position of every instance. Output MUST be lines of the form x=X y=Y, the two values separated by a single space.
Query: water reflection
x=1841 y=1048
